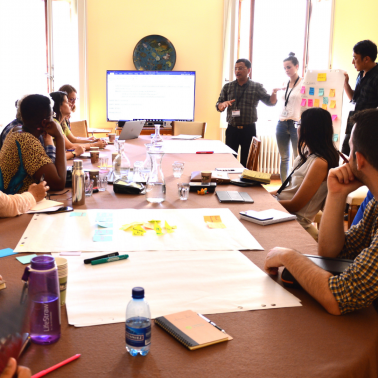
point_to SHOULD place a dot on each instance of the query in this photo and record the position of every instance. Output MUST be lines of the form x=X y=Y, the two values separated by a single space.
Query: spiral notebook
x=191 y=330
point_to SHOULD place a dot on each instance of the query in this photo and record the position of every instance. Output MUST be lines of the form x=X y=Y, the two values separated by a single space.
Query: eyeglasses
x=240 y=68
x=297 y=124
x=73 y=99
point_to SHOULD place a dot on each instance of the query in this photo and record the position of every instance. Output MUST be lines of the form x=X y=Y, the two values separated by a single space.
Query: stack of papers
x=45 y=206
x=187 y=137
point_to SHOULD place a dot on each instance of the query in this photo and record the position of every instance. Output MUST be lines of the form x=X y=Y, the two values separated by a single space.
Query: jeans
x=285 y=132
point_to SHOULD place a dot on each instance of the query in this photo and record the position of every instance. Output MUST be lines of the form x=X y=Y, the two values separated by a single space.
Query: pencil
x=52 y=368
x=343 y=157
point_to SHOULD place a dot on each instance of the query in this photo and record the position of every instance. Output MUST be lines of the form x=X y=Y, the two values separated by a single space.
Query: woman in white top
x=290 y=113
x=306 y=189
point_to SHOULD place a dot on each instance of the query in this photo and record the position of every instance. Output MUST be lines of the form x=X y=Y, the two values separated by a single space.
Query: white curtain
x=230 y=35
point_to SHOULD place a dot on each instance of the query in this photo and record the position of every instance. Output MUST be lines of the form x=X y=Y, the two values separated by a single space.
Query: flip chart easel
x=324 y=88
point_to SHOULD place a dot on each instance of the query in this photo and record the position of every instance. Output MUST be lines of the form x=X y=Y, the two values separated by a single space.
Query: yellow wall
x=194 y=27
x=354 y=21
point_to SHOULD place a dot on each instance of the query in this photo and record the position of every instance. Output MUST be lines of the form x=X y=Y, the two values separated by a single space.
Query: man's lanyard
x=242 y=94
x=287 y=88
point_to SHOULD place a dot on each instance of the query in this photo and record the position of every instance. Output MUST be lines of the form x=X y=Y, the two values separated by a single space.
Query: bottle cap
x=138 y=293
x=44 y=262
x=78 y=164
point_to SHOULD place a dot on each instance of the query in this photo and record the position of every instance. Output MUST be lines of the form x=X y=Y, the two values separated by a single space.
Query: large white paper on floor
x=208 y=282
x=193 y=146
x=75 y=232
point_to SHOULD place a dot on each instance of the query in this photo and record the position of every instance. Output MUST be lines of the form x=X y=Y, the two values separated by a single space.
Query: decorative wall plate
x=154 y=53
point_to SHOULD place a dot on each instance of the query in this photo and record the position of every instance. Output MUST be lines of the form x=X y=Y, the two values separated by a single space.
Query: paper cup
x=95 y=156
x=62 y=265
x=111 y=137
x=205 y=177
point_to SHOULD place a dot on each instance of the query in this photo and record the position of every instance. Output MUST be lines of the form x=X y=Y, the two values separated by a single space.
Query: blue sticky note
x=25 y=259
x=321 y=91
x=104 y=217
x=325 y=100
x=102 y=238
x=105 y=224
x=7 y=252
x=312 y=91
x=104 y=232
x=77 y=214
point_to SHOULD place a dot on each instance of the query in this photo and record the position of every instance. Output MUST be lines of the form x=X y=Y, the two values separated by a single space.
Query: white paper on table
x=64 y=232
x=44 y=205
x=191 y=147
x=208 y=282
x=187 y=137
x=231 y=170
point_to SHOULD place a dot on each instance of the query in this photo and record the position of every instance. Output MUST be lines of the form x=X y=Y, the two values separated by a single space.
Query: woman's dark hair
x=316 y=133
x=35 y=108
x=292 y=59
x=58 y=98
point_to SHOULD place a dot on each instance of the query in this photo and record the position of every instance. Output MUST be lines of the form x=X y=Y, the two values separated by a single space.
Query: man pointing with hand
x=241 y=98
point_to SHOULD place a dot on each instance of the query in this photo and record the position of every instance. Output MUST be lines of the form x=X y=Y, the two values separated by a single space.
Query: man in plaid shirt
x=357 y=286
x=240 y=98
x=365 y=95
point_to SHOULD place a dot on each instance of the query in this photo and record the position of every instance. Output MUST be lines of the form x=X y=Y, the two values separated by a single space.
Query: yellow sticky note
x=127 y=226
x=158 y=229
x=331 y=93
x=324 y=106
x=316 y=103
x=322 y=77
x=138 y=231
x=212 y=218
x=333 y=104
x=168 y=228
x=154 y=221
x=215 y=225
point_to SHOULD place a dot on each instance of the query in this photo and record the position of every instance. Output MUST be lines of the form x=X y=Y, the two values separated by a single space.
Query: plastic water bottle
x=138 y=324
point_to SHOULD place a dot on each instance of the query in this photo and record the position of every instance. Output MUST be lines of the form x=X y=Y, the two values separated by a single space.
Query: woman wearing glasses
x=305 y=189
x=290 y=113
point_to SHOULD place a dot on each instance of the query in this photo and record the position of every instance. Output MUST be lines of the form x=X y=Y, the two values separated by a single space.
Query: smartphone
x=261 y=216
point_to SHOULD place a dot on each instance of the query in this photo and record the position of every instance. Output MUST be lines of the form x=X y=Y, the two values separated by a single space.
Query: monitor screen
x=150 y=95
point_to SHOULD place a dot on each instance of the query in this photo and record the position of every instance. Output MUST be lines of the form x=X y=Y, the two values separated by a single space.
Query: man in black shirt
x=365 y=95
x=241 y=98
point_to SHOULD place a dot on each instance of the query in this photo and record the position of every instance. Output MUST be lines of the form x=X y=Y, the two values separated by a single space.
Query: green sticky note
x=325 y=100
x=77 y=214
x=25 y=259
x=104 y=217
x=103 y=232
x=321 y=91
x=102 y=238
x=105 y=224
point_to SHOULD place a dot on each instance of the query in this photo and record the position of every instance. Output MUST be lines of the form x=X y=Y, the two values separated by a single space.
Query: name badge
x=284 y=113
x=236 y=113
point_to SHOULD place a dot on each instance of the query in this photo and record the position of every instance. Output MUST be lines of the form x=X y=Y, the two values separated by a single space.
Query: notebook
x=249 y=175
x=271 y=216
x=191 y=330
x=233 y=196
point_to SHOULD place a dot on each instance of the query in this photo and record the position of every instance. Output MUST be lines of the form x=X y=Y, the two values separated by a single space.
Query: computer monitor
x=150 y=95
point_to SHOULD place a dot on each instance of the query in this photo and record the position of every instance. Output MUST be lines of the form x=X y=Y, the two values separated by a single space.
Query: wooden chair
x=189 y=128
x=253 y=155
x=354 y=201
x=79 y=129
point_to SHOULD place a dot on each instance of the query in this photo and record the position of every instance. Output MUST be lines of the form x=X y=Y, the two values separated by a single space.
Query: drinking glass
x=183 y=191
x=178 y=168
x=102 y=180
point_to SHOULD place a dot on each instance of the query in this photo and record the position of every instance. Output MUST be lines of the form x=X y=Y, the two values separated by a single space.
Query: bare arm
x=348 y=90
x=310 y=185
x=341 y=182
x=312 y=278
x=273 y=96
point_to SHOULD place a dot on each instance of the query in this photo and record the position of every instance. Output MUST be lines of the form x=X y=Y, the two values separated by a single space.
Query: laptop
x=231 y=196
x=131 y=130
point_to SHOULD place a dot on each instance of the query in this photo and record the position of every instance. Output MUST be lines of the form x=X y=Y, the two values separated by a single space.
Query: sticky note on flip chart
x=312 y=91
x=77 y=214
x=303 y=103
x=325 y=100
x=333 y=104
x=310 y=103
x=105 y=224
x=214 y=225
x=334 y=117
x=212 y=218
x=331 y=93
x=321 y=91
x=322 y=77
x=303 y=90
x=103 y=232
x=102 y=238
x=316 y=103
x=324 y=106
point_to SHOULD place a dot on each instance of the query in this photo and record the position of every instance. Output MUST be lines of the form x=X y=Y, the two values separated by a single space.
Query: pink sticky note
x=334 y=117
x=310 y=103
x=303 y=90
x=303 y=103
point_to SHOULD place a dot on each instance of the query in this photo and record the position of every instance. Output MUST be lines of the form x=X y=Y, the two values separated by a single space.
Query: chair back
x=189 y=128
x=79 y=129
x=253 y=155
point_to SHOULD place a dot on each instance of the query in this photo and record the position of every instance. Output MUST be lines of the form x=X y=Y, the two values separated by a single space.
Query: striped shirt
x=247 y=98
x=357 y=286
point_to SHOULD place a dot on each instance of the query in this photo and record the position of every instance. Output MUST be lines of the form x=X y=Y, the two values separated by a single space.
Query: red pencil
x=204 y=152
x=343 y=157
x=52 y=368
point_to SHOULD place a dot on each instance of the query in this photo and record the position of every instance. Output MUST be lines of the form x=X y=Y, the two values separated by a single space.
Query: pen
x=212 y=323
x=343 y=157
x=72 y=149
x=52 y=368
x=204 y=152
x=109 y=259
x=42 y=178
x=88 y=261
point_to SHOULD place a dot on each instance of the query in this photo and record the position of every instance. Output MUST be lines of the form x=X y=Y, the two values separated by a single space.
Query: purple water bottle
x=43 y=295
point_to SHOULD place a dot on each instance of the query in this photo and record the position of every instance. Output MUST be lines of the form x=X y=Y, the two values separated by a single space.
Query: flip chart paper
x=303 y=103
x=215 y=225
x=310 y=103
x=312 y=91
x=331 y=93
x=303 y=90
x=316 y=104
x=333 y=104
x=322 y=77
